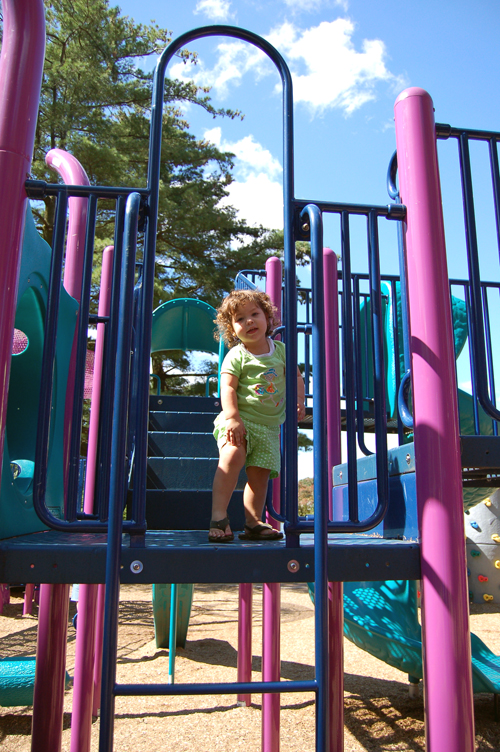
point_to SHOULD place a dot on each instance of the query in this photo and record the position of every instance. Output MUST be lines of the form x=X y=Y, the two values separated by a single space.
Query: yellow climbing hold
x=495 y=537
x=487 y=502
x=487 y=597
x=497 y=564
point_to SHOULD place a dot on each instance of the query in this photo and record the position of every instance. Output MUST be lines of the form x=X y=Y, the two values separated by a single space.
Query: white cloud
x=327 y=69
x=298 y=6
x=257 y=191
x=234 y=60
x=215 y=10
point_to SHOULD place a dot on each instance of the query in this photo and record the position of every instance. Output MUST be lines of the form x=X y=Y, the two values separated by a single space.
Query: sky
x=349 y=60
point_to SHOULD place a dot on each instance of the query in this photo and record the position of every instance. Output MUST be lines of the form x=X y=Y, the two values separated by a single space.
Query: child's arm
x=235 y=429
x=301 y=396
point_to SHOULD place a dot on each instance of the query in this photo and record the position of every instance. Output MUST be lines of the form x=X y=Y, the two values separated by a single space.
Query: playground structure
x=95 y=545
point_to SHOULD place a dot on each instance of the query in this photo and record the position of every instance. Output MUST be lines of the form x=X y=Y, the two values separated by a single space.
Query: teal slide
x=382 y=619
x=17 y=515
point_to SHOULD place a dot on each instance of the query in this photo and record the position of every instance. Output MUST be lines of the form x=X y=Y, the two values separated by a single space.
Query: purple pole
x=21 y=66
x=445 y=623
x=71 y=171
x=271 y=613
x=81 y=716
x=335 y=589
x=86 y=655
x=245 y=639
x=271 y=592
x=48 y=694
x=28 y=599
x=103 y=310
x=99 y=635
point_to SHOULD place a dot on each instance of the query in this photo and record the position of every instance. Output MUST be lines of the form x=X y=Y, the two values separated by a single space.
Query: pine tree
x=96 y=103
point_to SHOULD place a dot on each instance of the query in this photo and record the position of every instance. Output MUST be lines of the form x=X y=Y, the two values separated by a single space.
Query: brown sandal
x=220 y=525
x=257 y=533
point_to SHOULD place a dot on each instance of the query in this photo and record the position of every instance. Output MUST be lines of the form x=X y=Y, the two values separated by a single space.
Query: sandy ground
x=379 y=714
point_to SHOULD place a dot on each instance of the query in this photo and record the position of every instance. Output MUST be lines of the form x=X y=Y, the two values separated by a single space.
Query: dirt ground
x=379 y=714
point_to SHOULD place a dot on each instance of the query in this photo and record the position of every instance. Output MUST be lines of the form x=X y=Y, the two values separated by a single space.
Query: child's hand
x=235 y=431
x=301 y=411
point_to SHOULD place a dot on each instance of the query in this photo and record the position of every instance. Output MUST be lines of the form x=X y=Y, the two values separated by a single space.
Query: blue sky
x=349 y=61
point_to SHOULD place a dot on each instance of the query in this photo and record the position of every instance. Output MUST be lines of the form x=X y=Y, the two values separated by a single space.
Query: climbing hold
x=475 y=525
x=468 y=572
x=497 y=564
x=495 y=537
x=471 y=595
x=475 y=553
x=487 y=597
x=482 y=578
x=487 y=502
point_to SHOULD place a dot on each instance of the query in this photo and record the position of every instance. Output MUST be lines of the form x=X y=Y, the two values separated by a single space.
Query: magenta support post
x=48 y=694
x=446 y=639
x=71 y=171
x=271 y=592
x=335 y=589
x=21 y=66
x=244 y=668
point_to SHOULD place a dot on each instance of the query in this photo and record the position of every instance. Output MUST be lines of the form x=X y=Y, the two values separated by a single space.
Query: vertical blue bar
x=321 y=504
x=348 y=351
x=117 y=479
x=378 y=360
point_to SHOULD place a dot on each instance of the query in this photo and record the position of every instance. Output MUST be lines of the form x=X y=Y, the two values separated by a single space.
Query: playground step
x=188 y=510
x=181 y=421
x=186 y=473
x=182 y=444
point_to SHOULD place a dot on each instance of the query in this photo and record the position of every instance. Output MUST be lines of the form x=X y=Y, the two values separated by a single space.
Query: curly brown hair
x=235 y=300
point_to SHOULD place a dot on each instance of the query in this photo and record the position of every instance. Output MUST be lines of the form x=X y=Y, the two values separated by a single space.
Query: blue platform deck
x=186 y=556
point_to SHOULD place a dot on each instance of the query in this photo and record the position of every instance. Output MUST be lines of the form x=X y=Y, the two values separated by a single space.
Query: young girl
x=247 y=430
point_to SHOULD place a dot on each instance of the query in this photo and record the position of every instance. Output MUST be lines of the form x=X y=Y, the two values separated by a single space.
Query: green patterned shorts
x=263 y=444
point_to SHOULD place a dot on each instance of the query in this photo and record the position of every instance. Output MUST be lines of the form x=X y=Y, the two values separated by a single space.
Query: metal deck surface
x=186 y=556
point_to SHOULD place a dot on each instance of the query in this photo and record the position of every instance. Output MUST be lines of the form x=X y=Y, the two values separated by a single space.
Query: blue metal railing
x=75 y=519
x=473 y=291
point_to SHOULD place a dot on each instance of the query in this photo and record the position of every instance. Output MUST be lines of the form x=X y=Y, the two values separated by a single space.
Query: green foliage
x=305 y=444
x=306 y=496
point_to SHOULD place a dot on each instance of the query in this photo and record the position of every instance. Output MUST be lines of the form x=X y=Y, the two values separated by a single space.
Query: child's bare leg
x=254 y=495
x=231 y=460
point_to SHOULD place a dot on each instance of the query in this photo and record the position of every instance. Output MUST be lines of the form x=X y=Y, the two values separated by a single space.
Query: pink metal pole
x=21 y=66
x=48 y=694
x=29 y=591
x=81 y=716
x=445 y=623
x=72 y=172
x=271 y=592
x=271 y=629
x=99 y=635
x=103 y=310
x=335 y=589
x=245 y=638
x=86 y=656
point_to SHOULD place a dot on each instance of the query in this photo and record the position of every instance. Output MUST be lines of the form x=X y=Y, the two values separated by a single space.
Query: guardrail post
x=445 y=624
